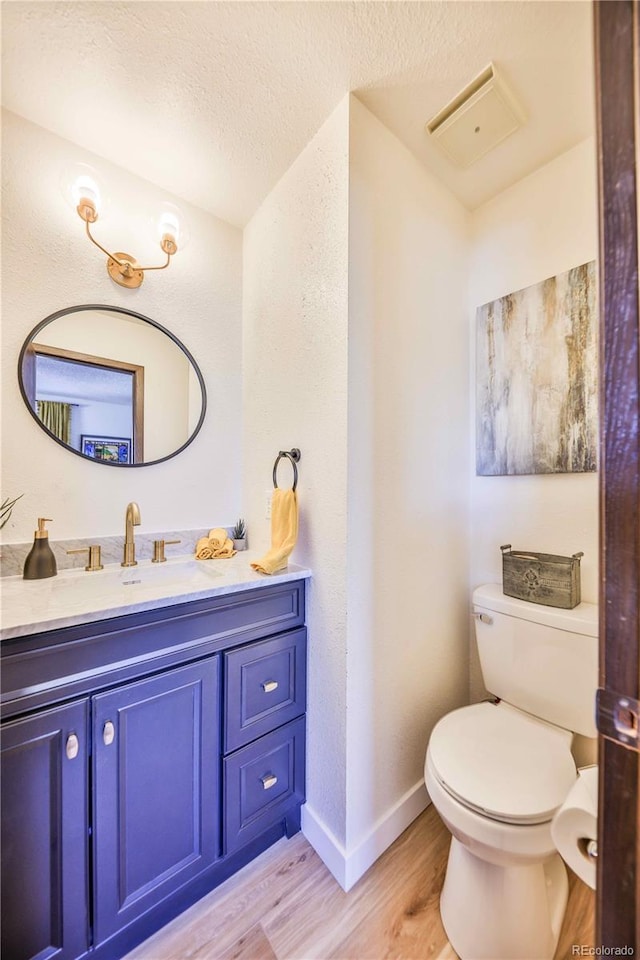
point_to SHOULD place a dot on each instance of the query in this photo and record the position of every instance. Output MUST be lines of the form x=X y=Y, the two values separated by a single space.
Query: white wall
x=541 y=226
x=49 y=264
x=295 y=314
x=355 y=340
x=408 y=466
x=100 y=419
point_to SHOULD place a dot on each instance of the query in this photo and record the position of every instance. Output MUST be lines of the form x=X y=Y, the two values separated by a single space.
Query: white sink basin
x=187 y=573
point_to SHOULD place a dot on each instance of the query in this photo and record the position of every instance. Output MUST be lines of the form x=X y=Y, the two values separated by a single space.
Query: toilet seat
x=502 y=763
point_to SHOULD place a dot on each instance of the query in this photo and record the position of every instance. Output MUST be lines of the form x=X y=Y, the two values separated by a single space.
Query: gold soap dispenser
x=40 y=562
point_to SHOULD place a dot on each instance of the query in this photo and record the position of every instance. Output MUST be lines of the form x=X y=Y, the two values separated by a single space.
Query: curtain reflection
x=56 y=418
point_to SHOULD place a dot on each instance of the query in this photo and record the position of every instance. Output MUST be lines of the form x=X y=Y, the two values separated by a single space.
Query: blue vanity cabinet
x=145 y=759
x=156 y=811
x=44 y=835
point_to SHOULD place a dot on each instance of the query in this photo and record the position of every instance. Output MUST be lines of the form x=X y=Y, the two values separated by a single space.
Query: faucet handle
x=94 y=556
x=158 y=550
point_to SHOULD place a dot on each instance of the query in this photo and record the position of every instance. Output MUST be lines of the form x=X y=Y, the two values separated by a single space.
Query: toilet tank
x=540 y=659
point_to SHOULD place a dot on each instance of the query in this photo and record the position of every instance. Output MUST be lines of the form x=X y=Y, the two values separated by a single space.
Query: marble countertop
x=72 y=597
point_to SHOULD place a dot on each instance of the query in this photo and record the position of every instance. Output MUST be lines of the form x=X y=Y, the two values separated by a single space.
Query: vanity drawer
x=262 y=782
x=265 y=687
x=71 y=661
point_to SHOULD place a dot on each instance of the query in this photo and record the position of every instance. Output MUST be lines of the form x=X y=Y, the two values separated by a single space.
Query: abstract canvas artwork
x=536 y=378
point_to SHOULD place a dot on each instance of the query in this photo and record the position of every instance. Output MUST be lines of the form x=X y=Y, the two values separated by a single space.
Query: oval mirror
x=112 y=385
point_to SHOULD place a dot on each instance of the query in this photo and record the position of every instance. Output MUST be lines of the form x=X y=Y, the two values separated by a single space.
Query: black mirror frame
x=130 y=313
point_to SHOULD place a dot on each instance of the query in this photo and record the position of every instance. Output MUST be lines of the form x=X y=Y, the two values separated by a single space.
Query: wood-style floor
x=287 y=906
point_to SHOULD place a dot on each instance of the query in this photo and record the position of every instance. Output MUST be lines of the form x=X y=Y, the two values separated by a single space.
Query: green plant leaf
x=6 y=509
x=240 y=530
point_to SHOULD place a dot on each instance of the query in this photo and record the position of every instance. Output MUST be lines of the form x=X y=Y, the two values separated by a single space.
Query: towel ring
x=293 y=456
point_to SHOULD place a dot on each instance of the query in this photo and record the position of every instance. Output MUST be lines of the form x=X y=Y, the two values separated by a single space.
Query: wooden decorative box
x=541 y=577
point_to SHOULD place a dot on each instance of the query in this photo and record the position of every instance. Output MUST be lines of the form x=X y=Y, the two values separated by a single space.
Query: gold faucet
x=131 y=520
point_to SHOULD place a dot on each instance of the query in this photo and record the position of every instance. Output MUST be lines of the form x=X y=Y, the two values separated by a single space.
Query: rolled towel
x=224 y=551
x=217 y=538
x=218 y=547
x=203 y=550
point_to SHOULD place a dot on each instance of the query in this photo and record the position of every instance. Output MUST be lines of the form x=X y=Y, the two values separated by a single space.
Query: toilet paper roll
x=575 y=825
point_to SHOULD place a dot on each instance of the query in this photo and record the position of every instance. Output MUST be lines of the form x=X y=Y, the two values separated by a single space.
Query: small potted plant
x=239 y=535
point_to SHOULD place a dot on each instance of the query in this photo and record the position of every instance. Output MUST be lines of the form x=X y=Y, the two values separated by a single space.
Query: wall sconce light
x=83 y=192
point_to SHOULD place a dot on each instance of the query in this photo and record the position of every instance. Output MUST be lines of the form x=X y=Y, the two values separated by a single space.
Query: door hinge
x=618 y=718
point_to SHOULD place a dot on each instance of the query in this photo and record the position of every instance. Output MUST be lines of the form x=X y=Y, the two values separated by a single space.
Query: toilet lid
x=503 y=763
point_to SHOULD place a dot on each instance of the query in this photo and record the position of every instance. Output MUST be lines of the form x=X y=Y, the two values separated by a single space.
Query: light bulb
x=171 y=222
x=80 y=182
x=86 y=188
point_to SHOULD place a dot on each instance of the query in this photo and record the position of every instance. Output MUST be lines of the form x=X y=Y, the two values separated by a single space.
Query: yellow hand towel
x=284 y=532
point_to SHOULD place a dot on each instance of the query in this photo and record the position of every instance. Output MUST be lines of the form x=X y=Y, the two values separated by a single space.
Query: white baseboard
x=325 y=843
x=348 y=866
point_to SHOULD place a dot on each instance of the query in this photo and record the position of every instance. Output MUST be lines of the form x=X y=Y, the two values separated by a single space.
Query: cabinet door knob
x=268 y=781
x=72 y=746
x=108 y=733
x=269 y=685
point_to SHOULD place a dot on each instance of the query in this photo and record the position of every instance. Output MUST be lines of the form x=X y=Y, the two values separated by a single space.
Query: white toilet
x=497 y=773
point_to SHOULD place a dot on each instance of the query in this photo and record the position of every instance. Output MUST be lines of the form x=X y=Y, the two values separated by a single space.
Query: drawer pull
x=268 y=781
x=108 y=733
x=269 y=685
x=72 y=746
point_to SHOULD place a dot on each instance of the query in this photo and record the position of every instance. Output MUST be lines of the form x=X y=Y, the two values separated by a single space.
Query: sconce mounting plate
x=130 y=278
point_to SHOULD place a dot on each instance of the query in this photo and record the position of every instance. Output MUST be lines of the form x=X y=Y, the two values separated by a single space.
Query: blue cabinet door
x=44 y=835
x=156 y=790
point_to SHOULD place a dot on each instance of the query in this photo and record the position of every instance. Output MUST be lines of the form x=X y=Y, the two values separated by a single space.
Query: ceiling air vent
x=477 y=120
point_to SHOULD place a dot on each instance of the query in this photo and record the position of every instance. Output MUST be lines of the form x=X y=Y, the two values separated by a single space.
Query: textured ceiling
x=213 y=101
x=80 y=381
